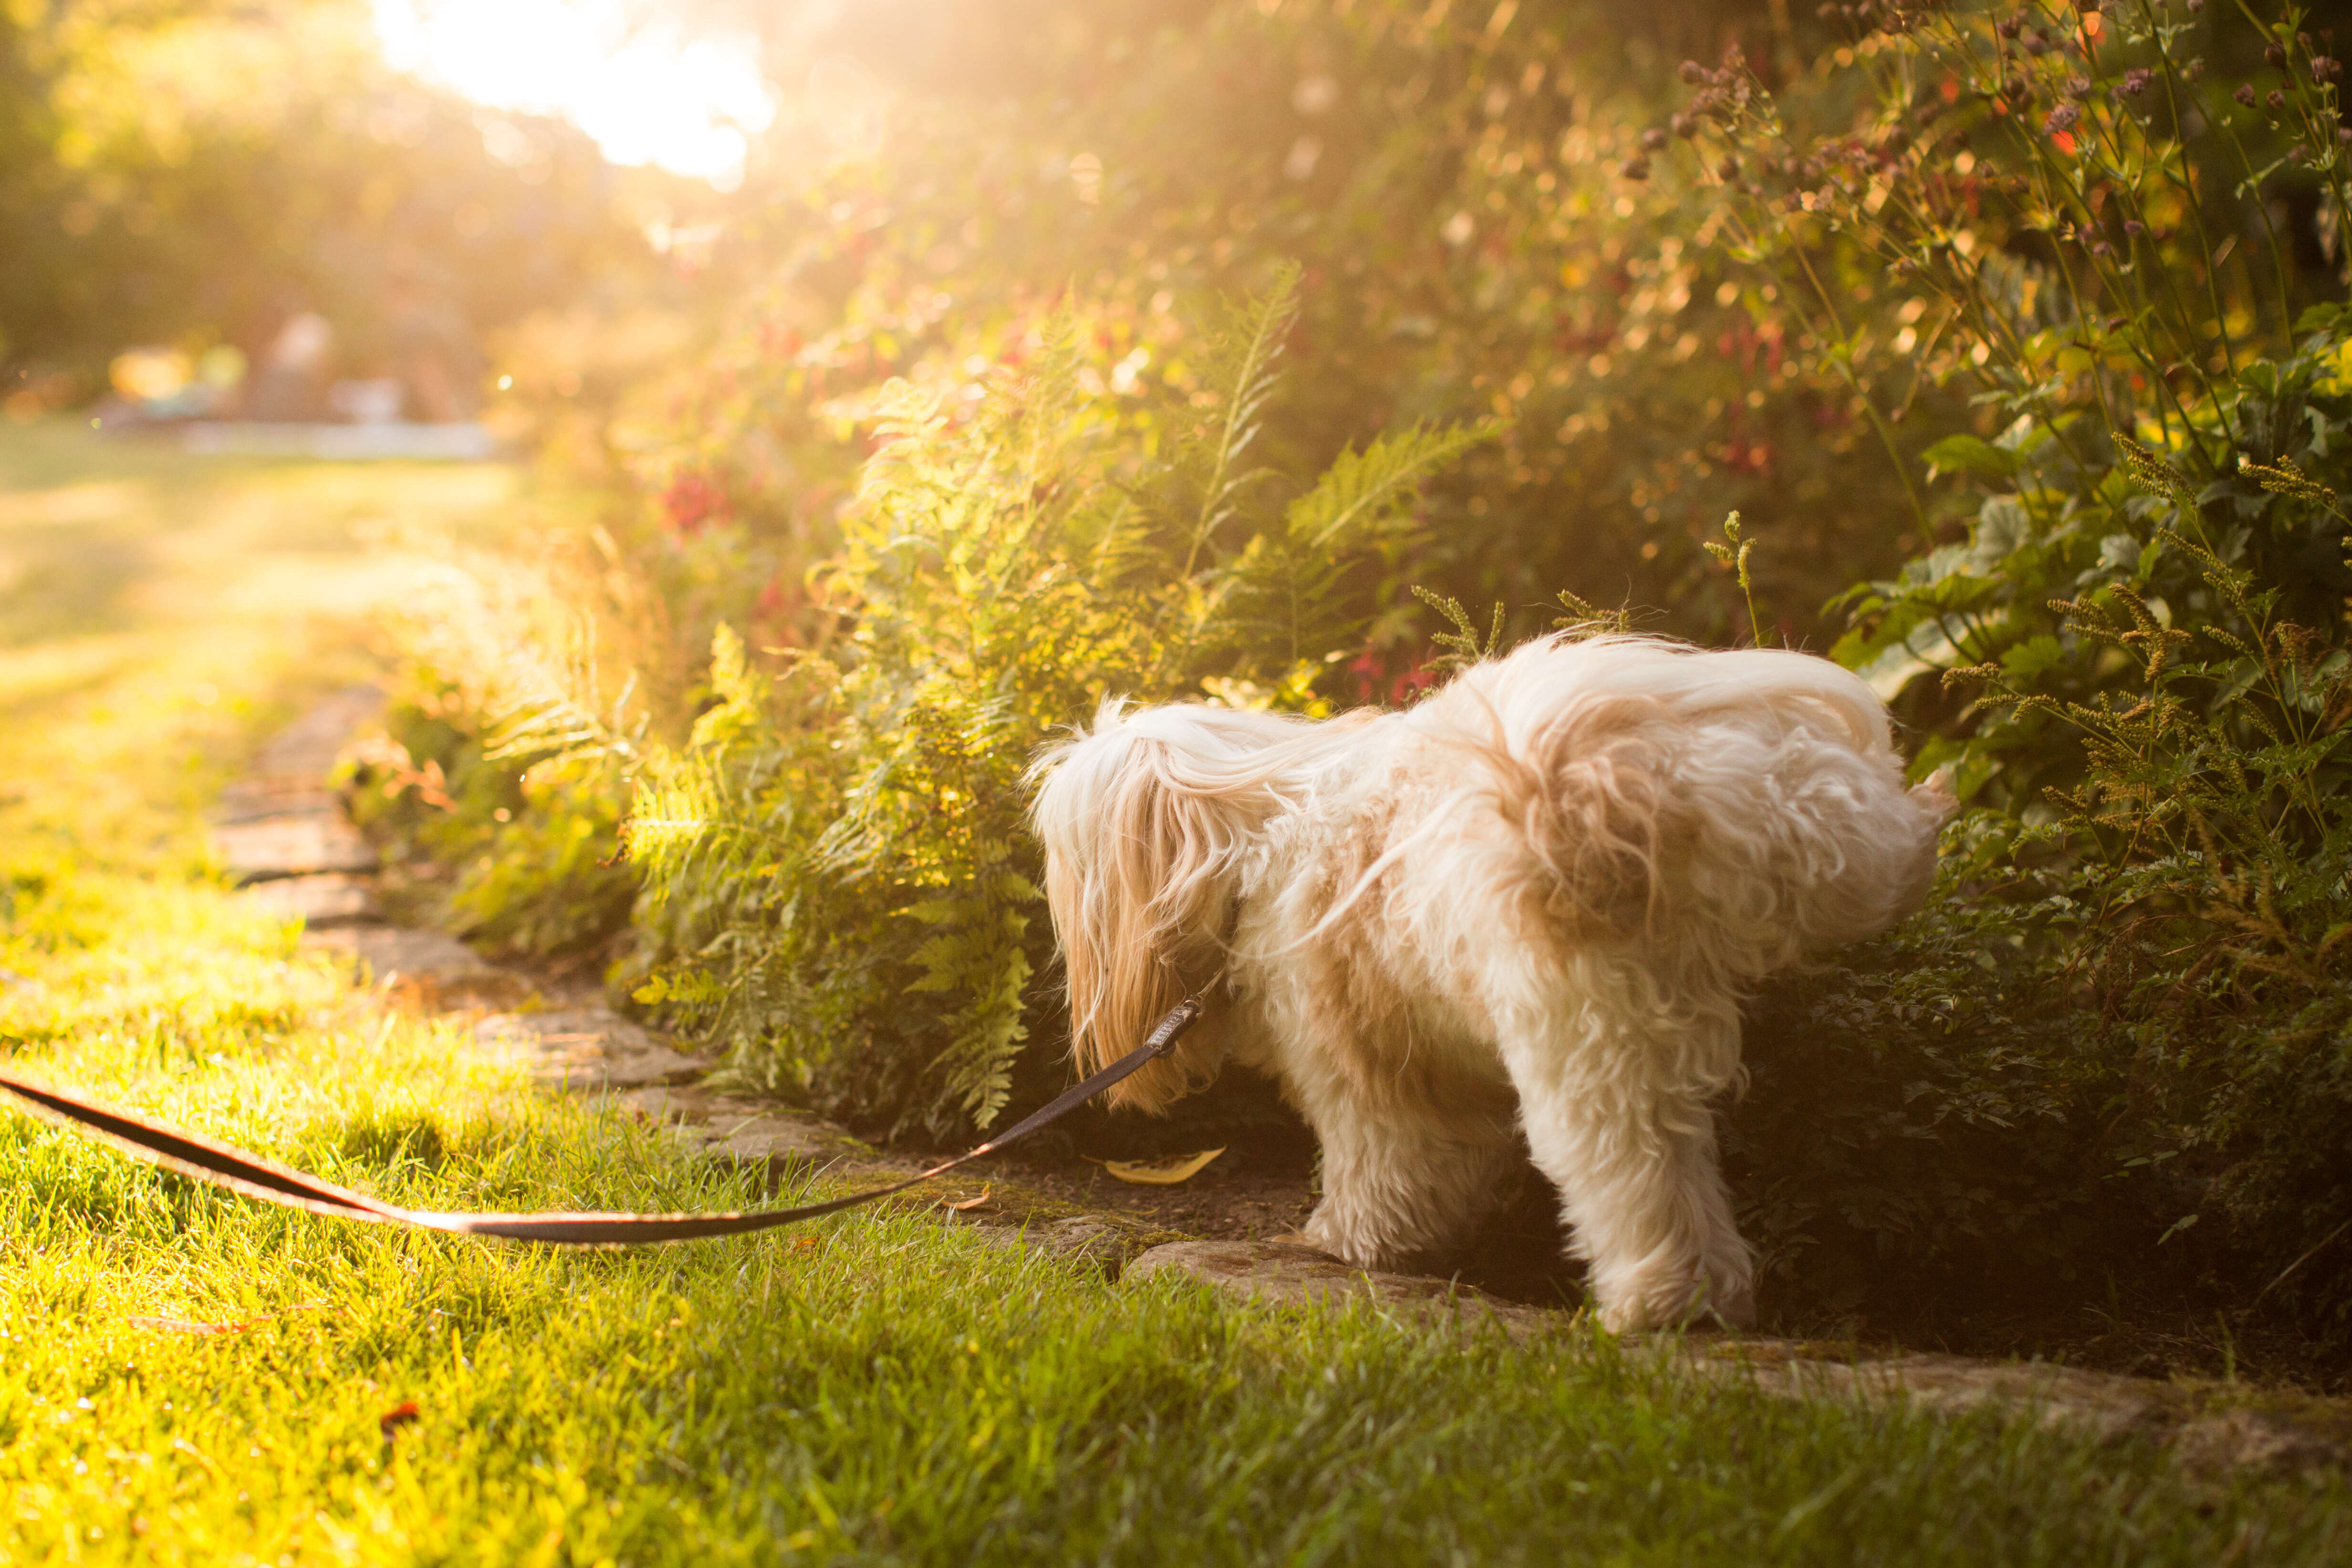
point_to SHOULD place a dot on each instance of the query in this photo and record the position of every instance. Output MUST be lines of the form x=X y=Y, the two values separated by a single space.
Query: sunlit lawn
x=875 y=1388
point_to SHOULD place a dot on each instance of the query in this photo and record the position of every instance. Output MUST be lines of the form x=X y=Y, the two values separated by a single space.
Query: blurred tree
x=199 y=168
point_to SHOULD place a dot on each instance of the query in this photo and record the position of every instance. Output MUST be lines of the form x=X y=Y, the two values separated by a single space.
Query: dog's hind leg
x=1640 y=1185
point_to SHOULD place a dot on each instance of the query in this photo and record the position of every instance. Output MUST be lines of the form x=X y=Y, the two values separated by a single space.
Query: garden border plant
x=2135 y=655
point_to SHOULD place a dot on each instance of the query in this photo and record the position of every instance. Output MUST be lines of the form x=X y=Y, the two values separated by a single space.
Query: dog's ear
x=1140 y=873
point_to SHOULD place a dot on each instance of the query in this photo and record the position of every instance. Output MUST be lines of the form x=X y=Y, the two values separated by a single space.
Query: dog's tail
x=1646 y=787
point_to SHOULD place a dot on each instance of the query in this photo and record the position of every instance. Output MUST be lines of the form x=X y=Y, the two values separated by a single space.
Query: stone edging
x=2208 y=1426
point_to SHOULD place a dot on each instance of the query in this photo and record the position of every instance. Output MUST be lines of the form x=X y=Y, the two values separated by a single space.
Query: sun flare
x=646 y=92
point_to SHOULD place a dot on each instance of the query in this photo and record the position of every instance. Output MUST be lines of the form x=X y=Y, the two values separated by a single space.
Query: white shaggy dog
x=1530 y=903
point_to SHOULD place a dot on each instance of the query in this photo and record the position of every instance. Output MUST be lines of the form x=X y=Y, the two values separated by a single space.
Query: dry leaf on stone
x=1161 y=1172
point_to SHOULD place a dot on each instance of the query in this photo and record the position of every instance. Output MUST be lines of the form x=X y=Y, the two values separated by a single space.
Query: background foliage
x=192 y=172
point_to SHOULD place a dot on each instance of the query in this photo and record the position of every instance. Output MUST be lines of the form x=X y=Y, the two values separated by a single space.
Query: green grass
x=876 y=1389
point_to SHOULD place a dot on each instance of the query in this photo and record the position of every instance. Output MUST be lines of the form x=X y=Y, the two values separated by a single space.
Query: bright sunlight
x=647 y=92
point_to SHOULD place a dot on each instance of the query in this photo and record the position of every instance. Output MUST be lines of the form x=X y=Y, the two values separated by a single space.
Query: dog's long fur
x=1531 y=902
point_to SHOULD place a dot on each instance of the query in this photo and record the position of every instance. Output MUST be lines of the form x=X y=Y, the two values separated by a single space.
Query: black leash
x=268 y=1182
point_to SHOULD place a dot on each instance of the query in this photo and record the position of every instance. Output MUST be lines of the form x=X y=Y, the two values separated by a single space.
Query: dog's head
x=1147 y=821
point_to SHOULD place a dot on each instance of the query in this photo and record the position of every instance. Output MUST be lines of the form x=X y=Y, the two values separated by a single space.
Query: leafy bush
x=2135 y=654
x=536 y=681
x=1919 y=1115
x=838 y=876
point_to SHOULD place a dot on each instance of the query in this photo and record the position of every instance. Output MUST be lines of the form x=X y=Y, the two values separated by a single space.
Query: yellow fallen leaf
x=1161 y=1172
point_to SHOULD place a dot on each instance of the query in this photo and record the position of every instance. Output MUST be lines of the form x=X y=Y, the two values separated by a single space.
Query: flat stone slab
x=586 y=1048
x=319 y=901
x=2209 y=1426
x=254 y=800
x=1111 y=1243
x=687 y=1104
x=392 y=954
x=769 y=1139
x=750 y=1132
x=1284 y=1273
x=268 y=847
x=305 y=752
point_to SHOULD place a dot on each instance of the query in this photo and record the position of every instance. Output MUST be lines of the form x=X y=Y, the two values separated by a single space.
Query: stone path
x=281 y=829
x=284 y=838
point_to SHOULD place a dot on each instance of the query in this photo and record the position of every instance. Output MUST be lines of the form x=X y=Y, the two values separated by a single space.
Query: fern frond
x=1362 y=489
x=1246 y=378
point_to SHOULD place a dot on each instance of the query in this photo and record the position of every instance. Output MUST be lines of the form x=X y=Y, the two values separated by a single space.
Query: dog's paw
x=1361 y=1242
x=1689 y=1304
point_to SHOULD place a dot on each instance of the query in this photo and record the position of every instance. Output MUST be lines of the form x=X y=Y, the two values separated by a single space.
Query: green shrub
x=1921 y=1114
x=839 y=883
x=2134 y=652
x=529 y=826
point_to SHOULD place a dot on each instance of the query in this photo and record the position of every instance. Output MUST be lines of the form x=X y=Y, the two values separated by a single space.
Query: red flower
x=692 y=503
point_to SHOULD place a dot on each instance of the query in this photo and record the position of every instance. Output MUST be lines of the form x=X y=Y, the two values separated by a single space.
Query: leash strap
x=206 y=1160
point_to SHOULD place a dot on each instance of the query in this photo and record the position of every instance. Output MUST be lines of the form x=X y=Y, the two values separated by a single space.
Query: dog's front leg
x=1641 y=1191
x=1405 y=1180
